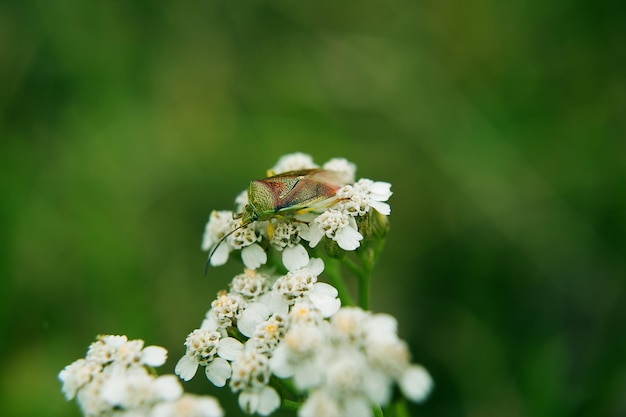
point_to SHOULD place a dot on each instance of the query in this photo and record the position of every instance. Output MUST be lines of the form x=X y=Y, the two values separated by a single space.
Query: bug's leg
x=270 y=230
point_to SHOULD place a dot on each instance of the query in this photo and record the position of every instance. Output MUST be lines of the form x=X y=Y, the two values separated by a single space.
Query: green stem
x=334 y=275
x=400 y=409
x=378 y=412
x=290 y=405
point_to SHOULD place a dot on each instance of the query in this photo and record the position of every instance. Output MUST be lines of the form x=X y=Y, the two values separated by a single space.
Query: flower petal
x=295 y=257
x=416 y=383
x=220 y=256
x=218 y=371
x=186 y=368
x=229 y=348
x=154 y=355
x=269 y=401
x=253 y=256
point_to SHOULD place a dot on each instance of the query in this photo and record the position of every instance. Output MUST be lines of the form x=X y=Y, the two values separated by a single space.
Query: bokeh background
x=501 y=126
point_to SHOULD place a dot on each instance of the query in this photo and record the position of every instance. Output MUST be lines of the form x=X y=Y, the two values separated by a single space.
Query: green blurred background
x=501 y=126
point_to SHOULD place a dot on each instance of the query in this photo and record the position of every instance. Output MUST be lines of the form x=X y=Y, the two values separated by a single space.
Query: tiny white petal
x=316 y=266
x=253 y=256
x=186 y=368
x=327 y=305
x=220 y=256
x=218 y=371
x=254 y=314
x=295 y=257
x=210 y=322
x=269 y=401
x=168 y=388
x=308 y=375
x=348 y=238
x=249 y=402
x=313 y=234
x=416 y=383
x=154 y=355
x=381 y=188
x=277 y=304
x=229 y=348
x=357 y=407
x=382 y=208
x=279 y=362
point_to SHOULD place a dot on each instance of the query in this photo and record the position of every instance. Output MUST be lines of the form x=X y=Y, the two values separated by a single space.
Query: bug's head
x=249 y=214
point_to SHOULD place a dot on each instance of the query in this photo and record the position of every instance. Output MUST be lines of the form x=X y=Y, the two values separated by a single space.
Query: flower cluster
x=338 y=216
x=115 y=380
x=267 y=329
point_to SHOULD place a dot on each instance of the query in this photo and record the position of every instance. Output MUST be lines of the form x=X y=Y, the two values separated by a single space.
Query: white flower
x=286 y=238
x=224 y=234
x=226 y=308
x=320 y=403
x=253 y=256
x=254 y=314
x=336 y=225
x=301 y=285
x=299 y=354
x=75 y=375
x=133 y=389
x=365 y=194
x=324 y=298
x=293 y=162
x=268 y=334
x=154 y=356
x=416 y=383
x=263 y=401
x=113 y=380
x=251 y=284
x=188 y=406
x=343 y=166
x=251 y=375
x=219 y=225
x=208 y=348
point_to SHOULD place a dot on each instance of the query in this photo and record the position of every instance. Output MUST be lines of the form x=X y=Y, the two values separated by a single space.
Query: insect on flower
x=287 y=195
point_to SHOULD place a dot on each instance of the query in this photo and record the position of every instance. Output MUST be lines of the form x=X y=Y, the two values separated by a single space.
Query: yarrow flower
x=324 y=204
x=277 y=335
x=292 y=326
x=114 y=379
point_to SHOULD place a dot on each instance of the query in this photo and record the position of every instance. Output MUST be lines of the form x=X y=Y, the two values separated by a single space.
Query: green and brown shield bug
x=286 y=195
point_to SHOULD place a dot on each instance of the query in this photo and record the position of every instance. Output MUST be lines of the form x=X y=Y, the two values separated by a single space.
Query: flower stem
x=400 y=409
x=378 y=412
x=334 y=274
x=290 y=405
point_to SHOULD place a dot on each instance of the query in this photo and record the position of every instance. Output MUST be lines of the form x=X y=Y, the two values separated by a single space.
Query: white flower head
x=75 y=375
x=227 y=307
x=286 y=238
x=268 y=335
x=251 y=375
x=188 y=405
x=210 y=349
x=224 y=234
x=336 y=225
x=114 y=379
x=359 y=198
x=293 y=162
x=344 y=167
x=251 y=284
x=416 y=383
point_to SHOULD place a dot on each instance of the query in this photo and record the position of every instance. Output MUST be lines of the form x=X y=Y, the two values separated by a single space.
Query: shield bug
x=287 y=195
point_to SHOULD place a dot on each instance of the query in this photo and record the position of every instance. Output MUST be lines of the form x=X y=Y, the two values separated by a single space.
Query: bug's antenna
x=208 y=261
